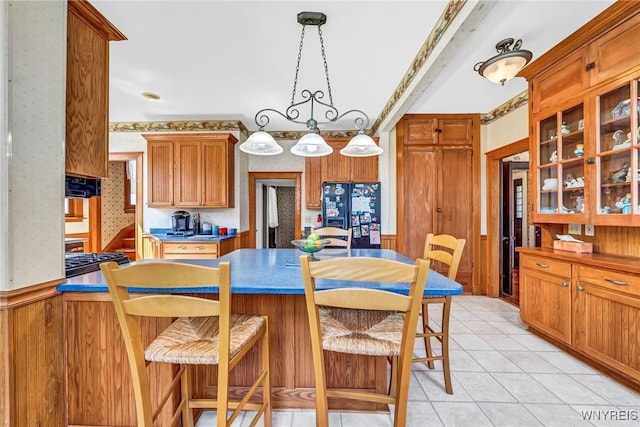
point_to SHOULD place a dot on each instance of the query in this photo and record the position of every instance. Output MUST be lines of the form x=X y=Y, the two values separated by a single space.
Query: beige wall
x=32 y=142
x=507 y=129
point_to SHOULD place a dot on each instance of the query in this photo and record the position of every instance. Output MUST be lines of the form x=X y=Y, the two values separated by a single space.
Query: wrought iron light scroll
x=311 y=144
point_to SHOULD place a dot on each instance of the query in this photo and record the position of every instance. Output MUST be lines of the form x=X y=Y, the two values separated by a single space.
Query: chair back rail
x=338 y=237
x=451 y=257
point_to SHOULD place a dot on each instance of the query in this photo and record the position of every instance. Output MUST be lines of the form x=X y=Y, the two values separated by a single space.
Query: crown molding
x=180 y=126
x=446 y=18
x=506 y=108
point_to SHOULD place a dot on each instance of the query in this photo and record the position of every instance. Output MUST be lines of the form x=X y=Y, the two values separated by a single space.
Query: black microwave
x=77 y=187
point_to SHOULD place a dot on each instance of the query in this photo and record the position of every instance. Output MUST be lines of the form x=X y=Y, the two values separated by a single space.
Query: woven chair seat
x=373 y=333
x=194 y=340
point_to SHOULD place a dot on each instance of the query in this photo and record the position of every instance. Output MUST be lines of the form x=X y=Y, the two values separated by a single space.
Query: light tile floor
x=502 y=375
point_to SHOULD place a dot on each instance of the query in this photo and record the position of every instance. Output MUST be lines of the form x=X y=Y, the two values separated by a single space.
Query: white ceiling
x=225 y=60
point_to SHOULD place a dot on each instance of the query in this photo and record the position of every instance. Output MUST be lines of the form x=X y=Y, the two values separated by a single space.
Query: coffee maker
x=180 y=223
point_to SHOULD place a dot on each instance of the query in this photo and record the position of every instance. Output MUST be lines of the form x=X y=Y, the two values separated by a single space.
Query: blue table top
x=274 y=271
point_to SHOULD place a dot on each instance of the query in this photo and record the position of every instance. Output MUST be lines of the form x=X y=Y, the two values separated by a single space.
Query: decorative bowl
x=310 y=248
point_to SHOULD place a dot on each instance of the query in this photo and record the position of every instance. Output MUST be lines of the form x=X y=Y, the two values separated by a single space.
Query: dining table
x=263 y=281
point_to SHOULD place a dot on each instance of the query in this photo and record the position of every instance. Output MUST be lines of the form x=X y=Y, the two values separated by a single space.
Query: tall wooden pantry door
x=437 y=185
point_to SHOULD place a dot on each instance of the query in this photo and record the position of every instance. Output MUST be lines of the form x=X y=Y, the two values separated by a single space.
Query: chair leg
x=266 y=386
x=425 y=329
x=322 y=404
x=446 y=310
x=403 y=363
x=393 y=381
x=185 y=382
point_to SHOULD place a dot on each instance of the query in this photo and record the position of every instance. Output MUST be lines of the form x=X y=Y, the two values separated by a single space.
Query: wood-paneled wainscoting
x=389 y=241
x=31 y=349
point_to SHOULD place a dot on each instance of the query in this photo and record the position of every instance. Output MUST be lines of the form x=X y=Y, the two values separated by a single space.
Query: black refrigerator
x=355 y=206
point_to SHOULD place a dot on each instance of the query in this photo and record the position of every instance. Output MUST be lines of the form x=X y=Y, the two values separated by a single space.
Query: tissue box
x=580 y=247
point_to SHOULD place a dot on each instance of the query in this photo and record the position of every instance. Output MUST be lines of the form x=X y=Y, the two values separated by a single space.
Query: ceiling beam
x=438 y=50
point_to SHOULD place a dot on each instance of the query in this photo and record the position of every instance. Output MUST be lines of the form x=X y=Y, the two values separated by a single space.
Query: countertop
x=161 y=235
x=616 y=262
x=274 y=271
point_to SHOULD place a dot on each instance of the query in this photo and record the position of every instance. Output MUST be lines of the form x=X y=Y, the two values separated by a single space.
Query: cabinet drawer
x=190 y=248
x=621 y=282
x=546 y=265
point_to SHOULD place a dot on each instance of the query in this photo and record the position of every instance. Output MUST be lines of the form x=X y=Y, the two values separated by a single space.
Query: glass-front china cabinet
x=587 y=162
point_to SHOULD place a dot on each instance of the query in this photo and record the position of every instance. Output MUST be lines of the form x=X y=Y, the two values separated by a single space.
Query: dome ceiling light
x=506 y=64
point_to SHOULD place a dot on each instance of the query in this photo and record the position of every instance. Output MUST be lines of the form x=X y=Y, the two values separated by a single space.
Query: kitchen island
x=264 y=281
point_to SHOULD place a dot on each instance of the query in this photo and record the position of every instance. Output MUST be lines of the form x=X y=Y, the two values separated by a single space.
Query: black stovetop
x=77 y=263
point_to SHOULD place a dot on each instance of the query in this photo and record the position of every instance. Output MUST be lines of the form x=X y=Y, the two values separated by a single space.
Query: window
x=129 y=186
x=73 y=210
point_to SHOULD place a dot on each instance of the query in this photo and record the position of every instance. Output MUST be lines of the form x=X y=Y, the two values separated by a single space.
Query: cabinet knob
x=591 y=160
x=565 y=285
x=580 y=288
x=590 y=66
x=438 y=210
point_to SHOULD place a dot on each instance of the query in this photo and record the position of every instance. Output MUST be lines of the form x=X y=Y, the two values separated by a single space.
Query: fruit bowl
x=310 y=246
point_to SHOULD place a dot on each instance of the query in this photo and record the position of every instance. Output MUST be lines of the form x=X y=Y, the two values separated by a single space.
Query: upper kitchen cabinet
x=336 y=168
x=585 y=119
x=87 y=116
x=191 y=170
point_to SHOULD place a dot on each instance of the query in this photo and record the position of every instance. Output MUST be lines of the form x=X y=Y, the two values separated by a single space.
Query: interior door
x=512 y=228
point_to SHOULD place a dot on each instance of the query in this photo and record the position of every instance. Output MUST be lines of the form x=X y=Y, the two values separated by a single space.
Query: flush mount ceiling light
x=506 y=64
x=311 y=144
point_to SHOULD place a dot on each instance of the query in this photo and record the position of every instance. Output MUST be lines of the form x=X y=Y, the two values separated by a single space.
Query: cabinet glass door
x=548 y=165
x=617 y=152
x=572 y=163
x=561 y=163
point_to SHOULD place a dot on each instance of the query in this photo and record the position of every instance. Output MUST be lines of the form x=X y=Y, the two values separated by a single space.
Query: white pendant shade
x=504 y=69
x=311 y=145
x=261 y=144
x=361 y=145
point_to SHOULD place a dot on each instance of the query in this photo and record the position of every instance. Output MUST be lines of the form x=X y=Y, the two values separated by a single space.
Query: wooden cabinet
x=590 y=302
x=151 y=247
x=160 y=173
x=191 y=170
x=613 y=53
x=191 y=250
x=336 y=168
x=606 y=312
x=585 y=136
x=545 y=296
x=437 y=180
x=87 y=95
x=195 y=249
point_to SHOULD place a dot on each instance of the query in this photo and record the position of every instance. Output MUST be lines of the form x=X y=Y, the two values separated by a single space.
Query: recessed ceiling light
x=151 y=96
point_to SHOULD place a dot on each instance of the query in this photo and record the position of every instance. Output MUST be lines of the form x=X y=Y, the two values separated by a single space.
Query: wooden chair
x=204 y=333
x=447 y=250
x=363 y=321
x=338 y=237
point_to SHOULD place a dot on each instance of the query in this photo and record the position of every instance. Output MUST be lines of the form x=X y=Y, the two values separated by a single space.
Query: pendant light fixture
x=311 y=144
x=506 y=64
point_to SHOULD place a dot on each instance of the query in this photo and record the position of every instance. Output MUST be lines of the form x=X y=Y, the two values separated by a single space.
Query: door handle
x=542 y=265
